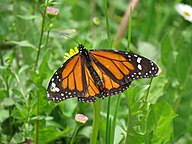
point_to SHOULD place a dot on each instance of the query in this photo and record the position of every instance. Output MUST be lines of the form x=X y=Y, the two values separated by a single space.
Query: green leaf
x=36 y=79
x=8 y=102
x=23 y=68
x=39 y=117
x=3 y=94
x=68 y=107
x=50 y=133
x=86 y=131
x=27 y=17
x=183 y=123
x=157 y=88
x=167 y=56
x=17 y=92
x=4 y=114
x=23 y=43
x=20 y=112
x=184 y=61
x=44 y=107
x=137 y=139
x=159 y=121
x=44 y=68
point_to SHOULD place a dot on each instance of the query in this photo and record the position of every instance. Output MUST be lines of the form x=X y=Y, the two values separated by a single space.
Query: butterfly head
x=81 y=47
x=82 y=50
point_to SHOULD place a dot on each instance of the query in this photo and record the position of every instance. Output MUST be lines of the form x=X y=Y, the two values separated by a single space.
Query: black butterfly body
x=98 y=73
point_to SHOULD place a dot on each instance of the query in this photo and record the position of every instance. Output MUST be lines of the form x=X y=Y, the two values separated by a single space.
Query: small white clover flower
x=185 y=11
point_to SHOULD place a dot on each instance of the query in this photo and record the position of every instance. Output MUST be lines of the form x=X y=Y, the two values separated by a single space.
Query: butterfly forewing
x=68 y=81
x=124 y=67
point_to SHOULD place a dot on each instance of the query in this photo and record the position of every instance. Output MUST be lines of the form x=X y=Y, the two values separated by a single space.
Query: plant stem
x=1 y=57
x=107 y=134
x=47 y=38
x=41 y=36
x=9 y=108
x=150 y=19
x=110 y=128
x=114 y=119
x=128 y=125
x=148 y=90
x=128 y=47
x=107 y=24
x=37 y=123
x=74 y=134
x=36 y=63
x=129 y=30
x=96 y=121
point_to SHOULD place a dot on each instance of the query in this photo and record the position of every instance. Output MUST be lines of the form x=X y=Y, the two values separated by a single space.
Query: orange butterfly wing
x=115 y=69
x=68 y=81
x=92 y=89
x=73 y=79
x=123 y=67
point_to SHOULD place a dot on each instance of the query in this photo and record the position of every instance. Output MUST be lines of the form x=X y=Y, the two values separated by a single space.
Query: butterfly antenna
x=85 y=36
x=70 y=38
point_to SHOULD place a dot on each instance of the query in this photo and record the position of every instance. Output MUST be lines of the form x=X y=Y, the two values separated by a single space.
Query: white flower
x=185 y=11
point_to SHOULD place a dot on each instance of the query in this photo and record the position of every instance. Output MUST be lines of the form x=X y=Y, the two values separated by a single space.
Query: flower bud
x=81 y=118
x=51 y=11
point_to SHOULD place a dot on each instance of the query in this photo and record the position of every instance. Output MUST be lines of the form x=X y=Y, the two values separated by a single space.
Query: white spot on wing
x=139 y=67
x=53 y=87
x=57 y=89
x=139 y=60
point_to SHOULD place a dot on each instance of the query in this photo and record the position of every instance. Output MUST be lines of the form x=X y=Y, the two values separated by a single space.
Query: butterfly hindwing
x=92 y=89
x=110 y=87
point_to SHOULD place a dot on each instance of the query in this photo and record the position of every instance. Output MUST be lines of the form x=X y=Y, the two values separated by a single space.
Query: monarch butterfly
x=98 y=73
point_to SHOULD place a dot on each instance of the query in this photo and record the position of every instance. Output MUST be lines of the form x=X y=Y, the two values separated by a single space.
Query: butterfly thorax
x=85 y=54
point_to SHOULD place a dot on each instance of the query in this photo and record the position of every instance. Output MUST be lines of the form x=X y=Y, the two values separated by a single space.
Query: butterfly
x=98 y=73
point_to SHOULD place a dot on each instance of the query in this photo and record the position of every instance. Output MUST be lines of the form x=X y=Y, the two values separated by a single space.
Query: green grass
x=154 y=111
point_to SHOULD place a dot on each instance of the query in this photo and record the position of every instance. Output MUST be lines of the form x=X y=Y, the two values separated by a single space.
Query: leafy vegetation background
x=161 y=114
